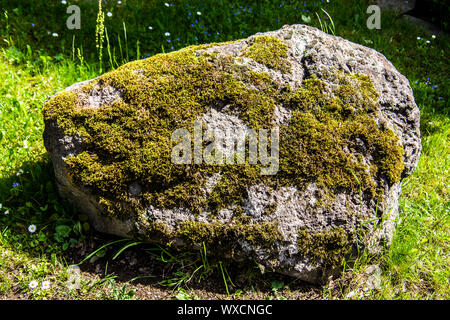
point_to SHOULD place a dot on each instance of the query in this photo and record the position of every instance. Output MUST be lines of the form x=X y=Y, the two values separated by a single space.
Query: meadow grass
x=39 y=56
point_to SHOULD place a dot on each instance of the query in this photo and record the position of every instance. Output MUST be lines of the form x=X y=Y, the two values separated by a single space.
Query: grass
x=35 y=64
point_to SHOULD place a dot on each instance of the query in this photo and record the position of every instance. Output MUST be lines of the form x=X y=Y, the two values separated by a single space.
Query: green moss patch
x=324 y=133
x=225 y=236
x=327 y=247
x=269 y=51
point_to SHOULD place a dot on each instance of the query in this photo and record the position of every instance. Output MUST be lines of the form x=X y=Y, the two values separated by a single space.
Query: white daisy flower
x=167 y=34
x=45 y=285
x=150 y=28
x=31 y=228
x=54 y=34
x=109 y=14
x=199 y=13
x=166 y=4
x=433 y=36
x=63 y=1
x=119 y=2
x=33 y=284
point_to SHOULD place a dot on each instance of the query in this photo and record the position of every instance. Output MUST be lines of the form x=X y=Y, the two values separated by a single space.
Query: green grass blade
x=101 y=248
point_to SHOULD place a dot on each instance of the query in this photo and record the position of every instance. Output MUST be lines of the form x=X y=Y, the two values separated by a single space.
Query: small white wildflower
x=119 y=2
x=428 y=41
x=1 y=206
x=166 y=4
x=63 y=1
x=54 y=34
x=199 y=13
x=45 y=285
x=150 y=28
x=31 y=228
x=418 y=38
x=6 y=212
x=109 y=14
x=167 y=34
x=33 y=284
x=433 y=36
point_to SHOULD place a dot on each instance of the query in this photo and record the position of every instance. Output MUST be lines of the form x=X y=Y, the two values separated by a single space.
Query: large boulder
x=125 y=149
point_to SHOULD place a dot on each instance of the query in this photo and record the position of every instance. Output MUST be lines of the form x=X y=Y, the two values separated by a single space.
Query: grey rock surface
x=310 y=53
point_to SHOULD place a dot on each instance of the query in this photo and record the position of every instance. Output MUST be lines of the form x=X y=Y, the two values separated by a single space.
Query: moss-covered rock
x=347 y=132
